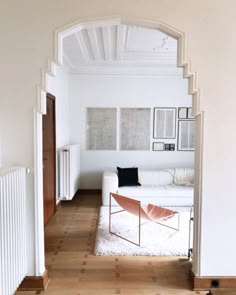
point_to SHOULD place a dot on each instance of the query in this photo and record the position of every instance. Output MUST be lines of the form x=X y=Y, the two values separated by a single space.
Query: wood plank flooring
x=223 y=292
x=74 y=270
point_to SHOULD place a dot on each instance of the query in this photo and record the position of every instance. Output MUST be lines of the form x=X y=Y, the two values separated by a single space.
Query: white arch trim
x=41 y=109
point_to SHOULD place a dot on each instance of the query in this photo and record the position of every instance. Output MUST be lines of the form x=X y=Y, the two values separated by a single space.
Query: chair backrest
x=130 y=205
x=151 y=213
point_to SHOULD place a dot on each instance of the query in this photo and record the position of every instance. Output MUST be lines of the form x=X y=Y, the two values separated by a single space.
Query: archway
x=193 y=90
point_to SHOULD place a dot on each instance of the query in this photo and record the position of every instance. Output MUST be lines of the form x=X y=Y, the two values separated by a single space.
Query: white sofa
x=163 y=187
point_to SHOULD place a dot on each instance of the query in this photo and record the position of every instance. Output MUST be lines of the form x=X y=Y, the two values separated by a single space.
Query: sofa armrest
x=109 y=185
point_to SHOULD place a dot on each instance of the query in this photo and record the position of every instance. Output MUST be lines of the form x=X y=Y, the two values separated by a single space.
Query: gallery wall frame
x=186 y=135
x=169 y=147
x=158 y=146
x=134 y=132
x=135 y=127
x=101 y=128
x=185 y=113
x=182 y=113
x=164 y=123
x=190 y=113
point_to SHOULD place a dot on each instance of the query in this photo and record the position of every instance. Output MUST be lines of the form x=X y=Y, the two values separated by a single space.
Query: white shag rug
x=155 y=239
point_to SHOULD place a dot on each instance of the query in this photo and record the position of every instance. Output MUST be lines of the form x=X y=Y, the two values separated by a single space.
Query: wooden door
x=49 y=160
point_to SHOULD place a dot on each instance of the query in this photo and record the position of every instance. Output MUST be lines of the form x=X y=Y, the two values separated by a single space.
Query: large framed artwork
x=186 y=135
x=101 y=128
x=164 y=123
x=135 y=128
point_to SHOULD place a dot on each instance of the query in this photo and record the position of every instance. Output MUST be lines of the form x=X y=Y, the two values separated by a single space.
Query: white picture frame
x=186 y=135
x=158 y=146
x=182 y=113
x=164 y=123
x=190 y=113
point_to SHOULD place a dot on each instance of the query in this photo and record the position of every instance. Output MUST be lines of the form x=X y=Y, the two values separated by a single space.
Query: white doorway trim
x=41 y=109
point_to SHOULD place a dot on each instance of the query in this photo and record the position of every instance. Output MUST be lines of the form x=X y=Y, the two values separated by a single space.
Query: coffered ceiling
x=120 y=49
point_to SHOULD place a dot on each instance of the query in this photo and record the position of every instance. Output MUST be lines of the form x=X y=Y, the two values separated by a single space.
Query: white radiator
x=12 y=229
x=69 y=171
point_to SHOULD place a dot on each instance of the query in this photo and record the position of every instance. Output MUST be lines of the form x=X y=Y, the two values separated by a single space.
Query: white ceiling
x=120 y=49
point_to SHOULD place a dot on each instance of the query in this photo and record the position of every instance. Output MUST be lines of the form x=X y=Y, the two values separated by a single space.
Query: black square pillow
x=127 y=176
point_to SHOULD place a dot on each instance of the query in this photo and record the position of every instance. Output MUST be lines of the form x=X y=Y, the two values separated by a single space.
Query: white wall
x=27 y=40
x=124 y=91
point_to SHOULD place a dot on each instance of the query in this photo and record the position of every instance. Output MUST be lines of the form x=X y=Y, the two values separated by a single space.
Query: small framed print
x=164 y=123
x=183 y=113
x=190 y=113
x=186 y=135
x=158 y=146
x=169 y=146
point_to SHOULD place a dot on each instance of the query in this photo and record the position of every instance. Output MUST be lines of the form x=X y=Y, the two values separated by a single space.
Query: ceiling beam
x=120 y=40
x=82 y=46
x=67 y=61
x=106 y=35
x=94 y=43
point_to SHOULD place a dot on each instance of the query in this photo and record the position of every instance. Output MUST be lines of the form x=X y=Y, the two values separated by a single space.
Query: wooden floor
x=74 y=270
x=223 y=292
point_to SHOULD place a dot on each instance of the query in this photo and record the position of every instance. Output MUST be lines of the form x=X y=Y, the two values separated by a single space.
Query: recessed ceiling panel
x=122 y=46
x=73 y=51
x=145 y=39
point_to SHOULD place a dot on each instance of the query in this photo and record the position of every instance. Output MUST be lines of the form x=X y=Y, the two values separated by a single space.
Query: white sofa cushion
x=150 y=190
x=156 y=177
x=184 y=176
x=166 y=195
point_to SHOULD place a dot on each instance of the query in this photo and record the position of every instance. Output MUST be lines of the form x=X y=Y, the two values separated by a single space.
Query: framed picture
x=186 y=135
x=158 y=146
x=135 y=129
x=169 y=146
x=101 y=128
x=183 y=113
x=190 y=113
x=164 y=123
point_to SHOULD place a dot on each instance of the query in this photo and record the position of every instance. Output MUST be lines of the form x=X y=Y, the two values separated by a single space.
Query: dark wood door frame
x=49 y=158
